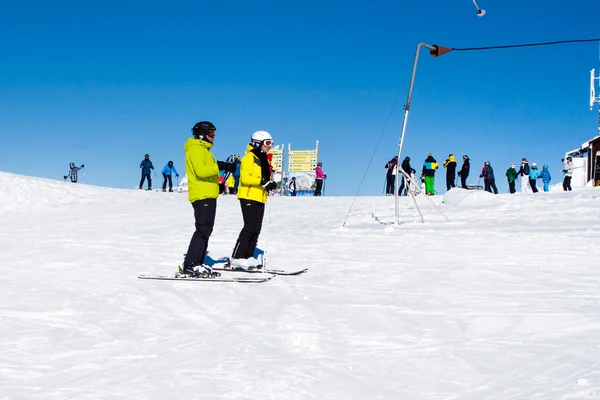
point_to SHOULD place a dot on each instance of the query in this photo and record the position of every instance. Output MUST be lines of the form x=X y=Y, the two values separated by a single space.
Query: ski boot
x=202 y=271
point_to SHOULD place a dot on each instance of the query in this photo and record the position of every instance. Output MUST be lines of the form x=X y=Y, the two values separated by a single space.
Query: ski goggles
x=267 y=143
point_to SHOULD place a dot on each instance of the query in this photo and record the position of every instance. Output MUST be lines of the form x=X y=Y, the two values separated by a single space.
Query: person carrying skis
x=428 y=173
x=167 y=173
x=511 y=175
x=203 y=189
x=409 y=171
x=255 y=185
x=390 y=175
x=568 y=171
x=73 y=172
x=292 y=186
x=147 y=167
x=546 y=178
x=450 y=165
x=320 y=176
x=534 y=175
x=524 y=172
x=487 y=173
x=464 y=171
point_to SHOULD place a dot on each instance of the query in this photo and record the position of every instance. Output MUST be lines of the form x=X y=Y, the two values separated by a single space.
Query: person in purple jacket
x=320 y=176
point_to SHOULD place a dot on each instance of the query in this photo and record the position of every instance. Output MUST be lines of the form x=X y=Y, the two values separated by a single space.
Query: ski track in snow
x=500 y=303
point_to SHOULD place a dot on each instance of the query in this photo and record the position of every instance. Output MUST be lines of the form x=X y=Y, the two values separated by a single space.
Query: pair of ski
x=266 y=275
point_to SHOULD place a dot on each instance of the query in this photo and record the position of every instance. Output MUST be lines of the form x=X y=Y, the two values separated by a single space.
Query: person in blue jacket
x=147 y=167
x=546 y=178
x=167 y=173
x=487 y=173
x=534 y=174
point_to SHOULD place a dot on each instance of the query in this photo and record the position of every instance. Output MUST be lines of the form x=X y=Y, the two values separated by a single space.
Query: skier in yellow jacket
x=255 y=183
x=203 y=183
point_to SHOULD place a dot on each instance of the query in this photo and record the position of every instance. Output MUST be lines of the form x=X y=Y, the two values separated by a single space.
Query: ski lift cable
x=374 y=152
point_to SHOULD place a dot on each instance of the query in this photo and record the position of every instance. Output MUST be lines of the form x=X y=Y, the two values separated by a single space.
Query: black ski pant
x=144 y=176
x=204 y=214
x=567 y=183
x=490 y=183
x=319 y=187
x=449 y=182
x=463 y=181
x=401 y=188
x=391 y=181
x=532 y=183
x=170 y=178
x=511 y=186
x=252 y=212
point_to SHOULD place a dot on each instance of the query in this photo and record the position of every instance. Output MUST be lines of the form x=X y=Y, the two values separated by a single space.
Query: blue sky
x=105 y=83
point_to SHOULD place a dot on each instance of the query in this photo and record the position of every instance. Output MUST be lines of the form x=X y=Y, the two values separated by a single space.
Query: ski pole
x=324 y=180
x=264 y=257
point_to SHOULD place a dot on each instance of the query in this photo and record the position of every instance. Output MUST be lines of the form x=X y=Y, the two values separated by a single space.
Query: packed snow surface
x=502 y=302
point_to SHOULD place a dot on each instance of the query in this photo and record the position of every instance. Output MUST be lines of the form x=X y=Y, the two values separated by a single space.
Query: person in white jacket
x=568 y=171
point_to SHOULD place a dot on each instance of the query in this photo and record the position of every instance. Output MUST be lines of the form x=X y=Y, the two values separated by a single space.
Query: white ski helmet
x=259 y=137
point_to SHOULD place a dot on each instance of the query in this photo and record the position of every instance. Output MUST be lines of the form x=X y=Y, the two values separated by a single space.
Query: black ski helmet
x=319 y=164
x=72 y=164
x=170 y=164
x=203 y=128
x=147 y=156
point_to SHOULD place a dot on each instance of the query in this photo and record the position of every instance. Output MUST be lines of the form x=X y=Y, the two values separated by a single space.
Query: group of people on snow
x=167 y=173
x=528 y=174
x=255 y=183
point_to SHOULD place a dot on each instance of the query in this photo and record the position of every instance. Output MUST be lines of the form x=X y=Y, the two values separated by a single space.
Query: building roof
x=589 y=142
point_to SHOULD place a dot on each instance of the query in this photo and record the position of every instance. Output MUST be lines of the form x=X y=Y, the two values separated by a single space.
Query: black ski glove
x=226 y=166
x=82 y=165
x=177 y=175
x=270 y=186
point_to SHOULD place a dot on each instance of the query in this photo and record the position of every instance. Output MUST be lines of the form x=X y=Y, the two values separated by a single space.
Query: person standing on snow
x=390 y=175
x=167 y=173
x=487 y=173
x=255 y=185
x=511 y=175
x=203 y=189
x=568 y=171
x=546 y=178
x=292 y=186
x=524 y=172
x=73 y=172
x=428 y=173
x=464 y=172
x=236 y=175
x=320 y=176
x=534 y=175
x=409 y=170
x=450 y=165
x=147 y=167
